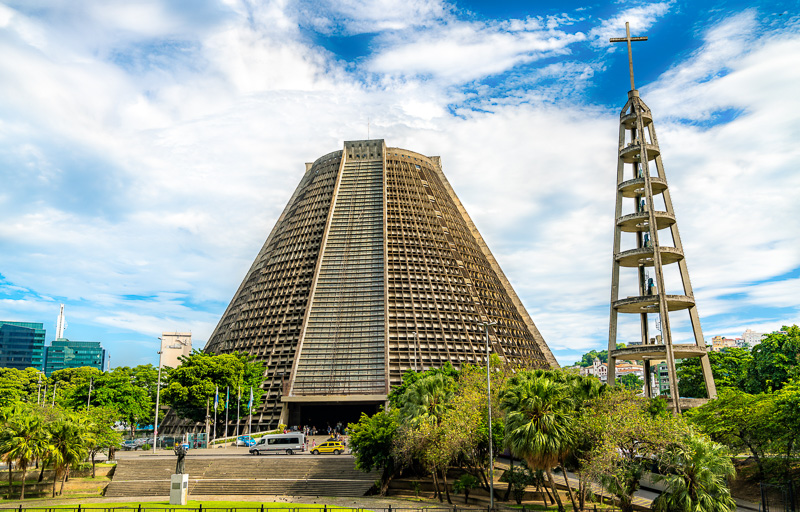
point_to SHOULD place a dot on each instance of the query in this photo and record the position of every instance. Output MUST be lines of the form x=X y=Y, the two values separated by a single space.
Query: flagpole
x=227 y=408
x=238 y=410
x=216 y=404
x=250 y=412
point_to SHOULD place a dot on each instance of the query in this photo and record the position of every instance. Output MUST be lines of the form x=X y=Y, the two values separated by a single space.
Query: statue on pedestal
x=180 y=451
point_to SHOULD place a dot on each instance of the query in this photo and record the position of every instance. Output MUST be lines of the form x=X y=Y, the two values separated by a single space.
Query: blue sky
x=147 y=148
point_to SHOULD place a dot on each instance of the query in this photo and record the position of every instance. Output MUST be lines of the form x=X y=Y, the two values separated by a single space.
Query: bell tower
x=644 y=210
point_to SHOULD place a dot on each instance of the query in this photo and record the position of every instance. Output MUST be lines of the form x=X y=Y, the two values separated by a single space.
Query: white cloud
x=140 y=182
x=371 y=16
x=460 y=52
x=640 y=18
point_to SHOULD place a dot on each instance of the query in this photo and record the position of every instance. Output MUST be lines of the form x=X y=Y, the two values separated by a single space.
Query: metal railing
x=148 y=508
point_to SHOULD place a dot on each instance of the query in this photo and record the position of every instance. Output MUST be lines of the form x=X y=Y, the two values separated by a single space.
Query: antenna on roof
x=61 y=324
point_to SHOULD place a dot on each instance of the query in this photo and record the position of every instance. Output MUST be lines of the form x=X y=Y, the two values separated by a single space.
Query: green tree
x=72 y=385
x=424 y=436
x=539 y=416
x=518 y=479
x=410 y=377
x=467 y=419
x=630 y=381
x=775 y=360
x=20 y=385
x=787 y=419
x=118 y=391
x=191 y=386
x=23 y=439
x=588 y=358
x=740 y=421
x=465 y=484
x=624 y=438
x=695 y=474
x=371 y=441
x=68 y=447
x=102 y=435
x=427 y=398
x=729 y=367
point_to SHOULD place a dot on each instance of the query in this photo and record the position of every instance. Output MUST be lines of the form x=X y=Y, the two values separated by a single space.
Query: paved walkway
x=366 y=502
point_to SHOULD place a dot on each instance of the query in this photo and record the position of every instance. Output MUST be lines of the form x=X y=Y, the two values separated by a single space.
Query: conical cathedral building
x=373 y=268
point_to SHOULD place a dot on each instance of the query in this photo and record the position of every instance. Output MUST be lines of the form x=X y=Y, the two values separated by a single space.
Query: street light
x=489 y=402
x=158 y=396
x=415 y=350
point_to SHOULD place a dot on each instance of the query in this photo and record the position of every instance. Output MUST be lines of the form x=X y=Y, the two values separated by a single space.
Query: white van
x=279 y=443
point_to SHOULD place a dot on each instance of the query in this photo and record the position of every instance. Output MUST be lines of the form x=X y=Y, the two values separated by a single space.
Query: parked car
x=334 y=447
x=244 y=441
x=279 y=443
x=130 y=444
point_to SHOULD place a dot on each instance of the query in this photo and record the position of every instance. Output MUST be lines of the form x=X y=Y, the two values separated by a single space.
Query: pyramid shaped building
x=373 y=268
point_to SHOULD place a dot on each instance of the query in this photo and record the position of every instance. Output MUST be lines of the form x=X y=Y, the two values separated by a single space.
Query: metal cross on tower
x=628 y=39
x=641 y=178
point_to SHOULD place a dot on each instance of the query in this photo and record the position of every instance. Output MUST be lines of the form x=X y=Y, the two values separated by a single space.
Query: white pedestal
x=178 y=489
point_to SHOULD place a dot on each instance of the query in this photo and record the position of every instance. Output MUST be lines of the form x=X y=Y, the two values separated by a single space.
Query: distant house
x=600 y=370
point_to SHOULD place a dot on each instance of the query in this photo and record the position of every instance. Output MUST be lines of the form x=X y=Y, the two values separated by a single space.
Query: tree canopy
x=20 y=385
x=192 y=385
x=588 y=358
x=728 y=366
x=776 y=360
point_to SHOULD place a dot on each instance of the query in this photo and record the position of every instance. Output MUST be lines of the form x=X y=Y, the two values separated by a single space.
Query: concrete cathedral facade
x=373 y=268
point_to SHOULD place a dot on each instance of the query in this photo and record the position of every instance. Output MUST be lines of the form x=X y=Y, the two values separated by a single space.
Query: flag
x=250 y=403
x=227 y=397
x=216 y=398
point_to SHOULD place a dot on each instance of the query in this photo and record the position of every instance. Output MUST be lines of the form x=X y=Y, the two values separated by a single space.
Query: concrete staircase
x=298 y=476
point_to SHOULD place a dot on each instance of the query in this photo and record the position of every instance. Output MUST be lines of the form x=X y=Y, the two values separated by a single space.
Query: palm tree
x=697 y=480
x=67 y=448
x=427 y=398
x=538 y=422
x=24 y=439
x=422 y=407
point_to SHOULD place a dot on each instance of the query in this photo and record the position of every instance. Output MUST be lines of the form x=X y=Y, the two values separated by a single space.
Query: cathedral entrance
x=329 y=414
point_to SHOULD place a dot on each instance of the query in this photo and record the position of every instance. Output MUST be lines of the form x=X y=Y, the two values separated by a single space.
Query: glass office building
x=64 y=353
x=21 y=345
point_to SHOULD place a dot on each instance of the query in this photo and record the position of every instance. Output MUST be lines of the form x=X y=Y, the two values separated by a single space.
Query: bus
x=280 y=443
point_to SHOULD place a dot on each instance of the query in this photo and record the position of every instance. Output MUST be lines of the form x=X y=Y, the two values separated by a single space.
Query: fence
x=779 y=498
x=324 y=508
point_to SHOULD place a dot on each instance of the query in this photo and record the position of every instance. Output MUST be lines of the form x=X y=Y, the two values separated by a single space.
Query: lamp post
x=489 y=403
x=415 y=350
x=89 y=400
x=158 y=396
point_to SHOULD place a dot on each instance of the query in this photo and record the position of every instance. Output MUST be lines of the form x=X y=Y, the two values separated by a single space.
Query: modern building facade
x=174 y=345
x=373 y=268
x=22 y=345
x=64 y=353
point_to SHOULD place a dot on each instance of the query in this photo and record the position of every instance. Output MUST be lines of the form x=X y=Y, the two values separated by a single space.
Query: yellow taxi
x=334 y=447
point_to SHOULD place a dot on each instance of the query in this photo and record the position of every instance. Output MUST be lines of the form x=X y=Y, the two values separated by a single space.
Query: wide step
x=301 y=476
